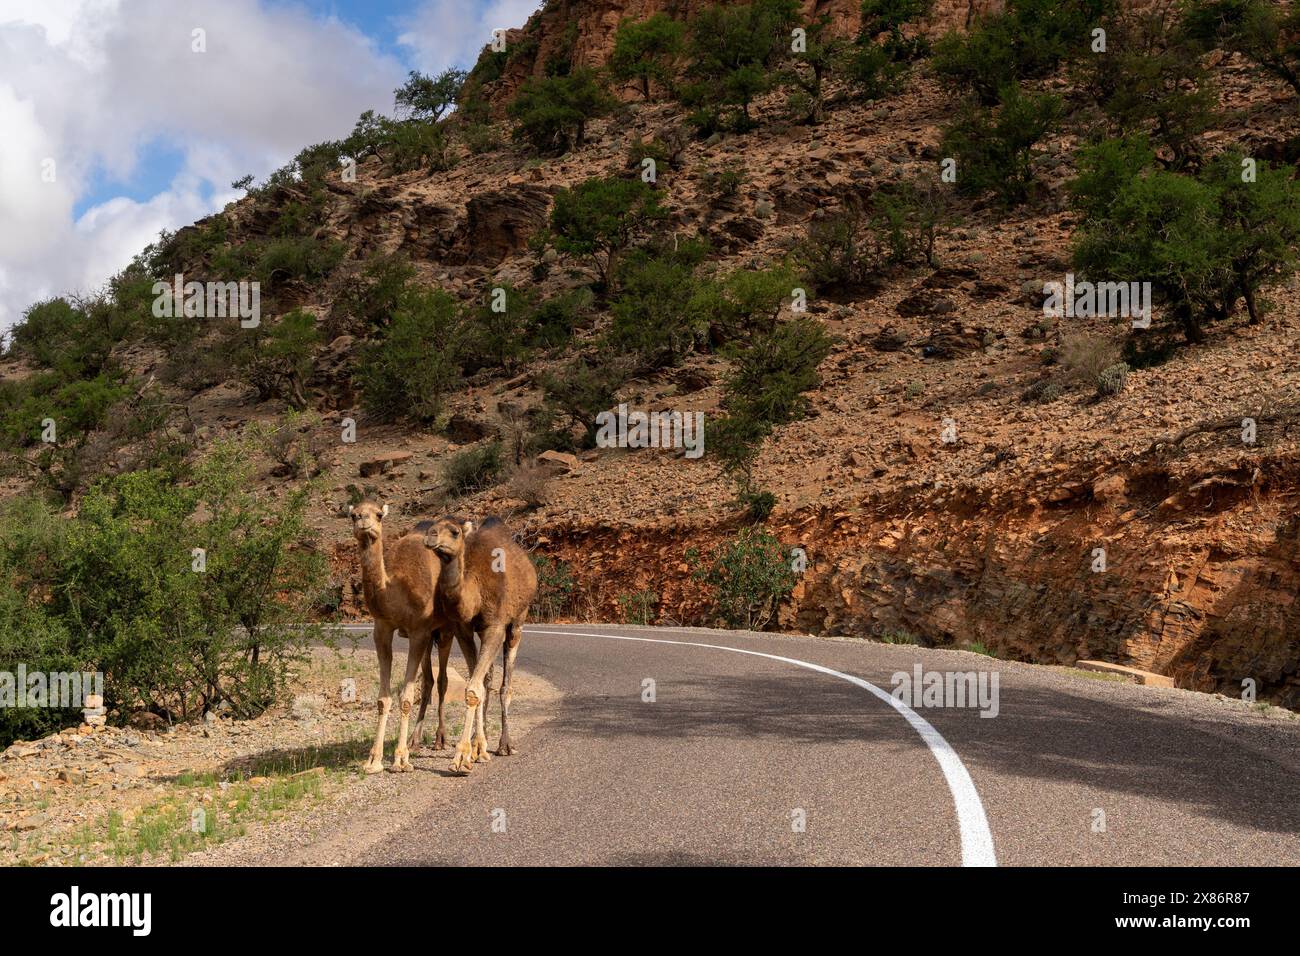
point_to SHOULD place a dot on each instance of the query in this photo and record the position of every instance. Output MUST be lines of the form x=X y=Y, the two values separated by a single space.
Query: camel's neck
x=454 y=586
x=374 y=577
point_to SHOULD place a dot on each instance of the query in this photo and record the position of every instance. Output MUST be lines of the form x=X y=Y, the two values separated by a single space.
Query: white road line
x=976 y=840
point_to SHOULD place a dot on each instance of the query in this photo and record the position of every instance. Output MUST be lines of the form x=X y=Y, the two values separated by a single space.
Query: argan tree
x=645 y=52
x=599 y=218
x=552 y=112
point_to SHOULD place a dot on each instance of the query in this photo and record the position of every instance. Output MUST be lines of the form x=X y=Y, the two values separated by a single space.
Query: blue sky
x=114 y=128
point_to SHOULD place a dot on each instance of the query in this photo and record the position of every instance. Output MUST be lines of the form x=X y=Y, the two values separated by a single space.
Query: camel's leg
x=493 y=637
x=505 y=748
x=416 y=739
x=480 y=746
x=384 y=651
x=417 y=648
x=444 y=652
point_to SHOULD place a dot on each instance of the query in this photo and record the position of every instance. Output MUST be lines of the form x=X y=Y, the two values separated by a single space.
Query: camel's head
x=368 y=520
x=447 y=537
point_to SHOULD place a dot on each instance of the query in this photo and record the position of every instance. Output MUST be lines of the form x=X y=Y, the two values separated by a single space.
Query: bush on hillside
x=116 y=590
x=645 y=52
x=409 y=370
x=551 y=113
x=749 y=576
x=599 y=218
x=1029 y=39
x=736 y=51
x=1204 y=243
x=995 y=148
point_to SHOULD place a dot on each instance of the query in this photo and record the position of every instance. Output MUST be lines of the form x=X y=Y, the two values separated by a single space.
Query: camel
x=400 y=591
x=485 y=584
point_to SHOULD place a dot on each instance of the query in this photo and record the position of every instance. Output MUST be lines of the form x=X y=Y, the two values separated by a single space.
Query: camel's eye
x=455 y=533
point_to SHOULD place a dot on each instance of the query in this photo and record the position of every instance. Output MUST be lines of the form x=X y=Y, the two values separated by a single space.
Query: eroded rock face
x=498 y=224
x=1209 y=605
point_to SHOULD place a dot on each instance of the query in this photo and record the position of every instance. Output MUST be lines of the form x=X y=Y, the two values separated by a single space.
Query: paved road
x=750 y=735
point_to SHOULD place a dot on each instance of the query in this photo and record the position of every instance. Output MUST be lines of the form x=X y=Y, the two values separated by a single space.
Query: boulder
x=383 y=462
x=559 y=461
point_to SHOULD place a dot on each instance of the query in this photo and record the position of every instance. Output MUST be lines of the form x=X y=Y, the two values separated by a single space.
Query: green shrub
x=750 y=576
x=369 y=300
x=556 y=588
x=810 y=69
x=1261 y=31
x=889 y=17
x=115 y=590
x=577 y=393
x=1112 y=378
x=429 y=98
x=77 y=407
x=724 y=183
x=765 y=389
x=906 y=219
x=645 y=52
x=639 y=607
x=1151 y=80
x=771 y=373
x=656 y=316
x=1203 y=243
x=994 y=148
x=284 y=260
x=416 y=362
x=278 y=358
x=599 y=218
x=552 y=112
x=74 y=338
x=472 y=469
x=480 y=138
x=838 y=255
x=1029 y=39
x=555 y=319
x=745 y=300
x=735 y=52
x=1105 y=169
x=875 y=66
x=497 y=339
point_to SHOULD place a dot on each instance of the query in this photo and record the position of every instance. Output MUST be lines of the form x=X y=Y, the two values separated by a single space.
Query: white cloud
x=443 y=33
x=94 y=83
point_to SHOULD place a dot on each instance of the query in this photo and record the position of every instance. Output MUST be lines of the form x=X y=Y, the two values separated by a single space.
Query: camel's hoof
x=440 y=741
x=401 y=763
x=463 y=762
x=373 y=766
x=505 y=749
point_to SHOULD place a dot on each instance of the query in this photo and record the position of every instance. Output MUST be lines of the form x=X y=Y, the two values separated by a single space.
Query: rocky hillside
x=583 y=30
x=949 y=481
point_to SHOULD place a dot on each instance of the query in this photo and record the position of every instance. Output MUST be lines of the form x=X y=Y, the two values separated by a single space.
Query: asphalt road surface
x=772 y=749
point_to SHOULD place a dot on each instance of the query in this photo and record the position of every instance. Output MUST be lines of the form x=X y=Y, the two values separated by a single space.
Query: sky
x=118 y=120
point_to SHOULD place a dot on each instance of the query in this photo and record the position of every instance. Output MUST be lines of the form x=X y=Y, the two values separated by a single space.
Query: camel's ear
x=468 y=527
x=385 y=511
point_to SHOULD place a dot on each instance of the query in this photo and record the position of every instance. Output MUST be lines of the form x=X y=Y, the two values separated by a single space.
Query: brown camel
x=399 y=587
x=486 y=584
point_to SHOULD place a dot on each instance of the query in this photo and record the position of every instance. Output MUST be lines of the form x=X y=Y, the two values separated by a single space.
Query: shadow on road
x=1049 y=734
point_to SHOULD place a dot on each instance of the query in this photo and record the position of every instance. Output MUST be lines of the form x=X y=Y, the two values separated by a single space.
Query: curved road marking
x=976 y=840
